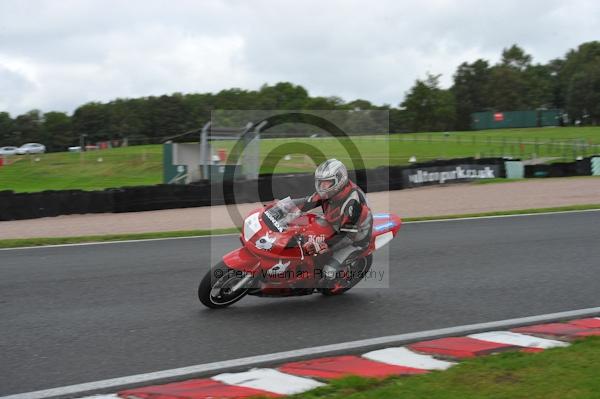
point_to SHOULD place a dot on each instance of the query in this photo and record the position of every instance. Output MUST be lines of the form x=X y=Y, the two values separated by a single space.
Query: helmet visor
x=325 y=184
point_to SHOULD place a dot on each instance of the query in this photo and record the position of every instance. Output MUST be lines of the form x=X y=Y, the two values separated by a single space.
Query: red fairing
x=241 y=259
x=275 y=254
x=396 y=219
x=277 y=247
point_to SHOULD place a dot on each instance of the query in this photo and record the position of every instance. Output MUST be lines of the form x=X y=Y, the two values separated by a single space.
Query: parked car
x=31 y=148
x=8 y=150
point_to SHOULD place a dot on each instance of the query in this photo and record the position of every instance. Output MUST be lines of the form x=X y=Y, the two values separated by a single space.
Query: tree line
x=570 y=83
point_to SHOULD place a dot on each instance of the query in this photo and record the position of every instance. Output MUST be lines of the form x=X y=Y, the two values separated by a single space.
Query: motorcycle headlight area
x=251 y=226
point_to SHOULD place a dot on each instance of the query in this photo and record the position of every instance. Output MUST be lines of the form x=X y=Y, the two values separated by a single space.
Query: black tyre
x=214 y=290
x=358 y=269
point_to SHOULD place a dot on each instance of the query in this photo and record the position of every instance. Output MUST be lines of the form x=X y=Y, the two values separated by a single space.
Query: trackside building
x=511 y=119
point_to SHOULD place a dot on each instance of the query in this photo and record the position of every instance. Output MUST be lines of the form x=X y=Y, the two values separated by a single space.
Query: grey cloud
x=83 y=50
x=14 y=88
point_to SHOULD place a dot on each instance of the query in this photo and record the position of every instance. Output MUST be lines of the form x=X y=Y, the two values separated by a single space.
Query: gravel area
x=426 y=201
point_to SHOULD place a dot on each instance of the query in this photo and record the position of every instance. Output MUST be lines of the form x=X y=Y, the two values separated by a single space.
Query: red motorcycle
x=272 y=262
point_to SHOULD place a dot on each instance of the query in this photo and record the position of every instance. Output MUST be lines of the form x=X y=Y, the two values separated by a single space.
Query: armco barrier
x=15 y=206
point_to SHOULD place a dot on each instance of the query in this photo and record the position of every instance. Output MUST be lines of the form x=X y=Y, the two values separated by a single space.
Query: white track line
x=253 y=361
x=235 y=234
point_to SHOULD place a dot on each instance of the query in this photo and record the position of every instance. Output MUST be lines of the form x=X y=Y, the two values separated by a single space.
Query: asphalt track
x=75 y=314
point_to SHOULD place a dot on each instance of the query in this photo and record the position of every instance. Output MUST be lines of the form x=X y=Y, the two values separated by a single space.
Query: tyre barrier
x=582 y=167
x=17 y=206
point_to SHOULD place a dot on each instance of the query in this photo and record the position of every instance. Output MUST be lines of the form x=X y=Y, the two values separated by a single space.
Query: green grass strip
x=559 y=373
x=584 y=207
x=500 y=180
x=32 y=242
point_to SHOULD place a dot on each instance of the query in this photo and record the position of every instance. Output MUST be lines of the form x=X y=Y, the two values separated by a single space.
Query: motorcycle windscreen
x=279 y=216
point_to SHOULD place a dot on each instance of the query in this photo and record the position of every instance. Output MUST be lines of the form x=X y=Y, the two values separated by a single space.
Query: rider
x=345 y=208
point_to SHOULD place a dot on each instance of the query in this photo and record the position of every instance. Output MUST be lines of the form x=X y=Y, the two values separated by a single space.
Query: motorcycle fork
x=248 y=277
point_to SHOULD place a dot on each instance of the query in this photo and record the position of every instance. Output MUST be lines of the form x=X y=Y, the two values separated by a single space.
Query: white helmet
x=330 y=178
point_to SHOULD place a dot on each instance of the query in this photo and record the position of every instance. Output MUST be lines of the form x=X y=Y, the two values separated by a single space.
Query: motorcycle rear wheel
x=359 y=268
x=214 y=290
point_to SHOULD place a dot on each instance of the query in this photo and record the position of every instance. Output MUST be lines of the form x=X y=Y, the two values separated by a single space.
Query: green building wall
x=514 y=119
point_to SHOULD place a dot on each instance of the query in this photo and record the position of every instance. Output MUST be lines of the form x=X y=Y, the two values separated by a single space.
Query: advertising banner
x=416 y=177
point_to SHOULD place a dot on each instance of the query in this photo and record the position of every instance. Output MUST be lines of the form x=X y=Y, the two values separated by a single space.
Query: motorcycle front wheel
x=215 y=289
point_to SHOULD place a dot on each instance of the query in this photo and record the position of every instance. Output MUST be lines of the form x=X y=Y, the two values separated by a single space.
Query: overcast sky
x=56 y=55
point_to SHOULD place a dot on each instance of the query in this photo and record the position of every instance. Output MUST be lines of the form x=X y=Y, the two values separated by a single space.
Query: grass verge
x=142 y=165
x=570 y=372
x=583 y=207
x=500 y=180
x=33 y=242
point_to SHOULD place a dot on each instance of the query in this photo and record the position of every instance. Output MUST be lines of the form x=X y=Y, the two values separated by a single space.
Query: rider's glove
x=309 y=248
x=323 y=247
x=314 y=248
